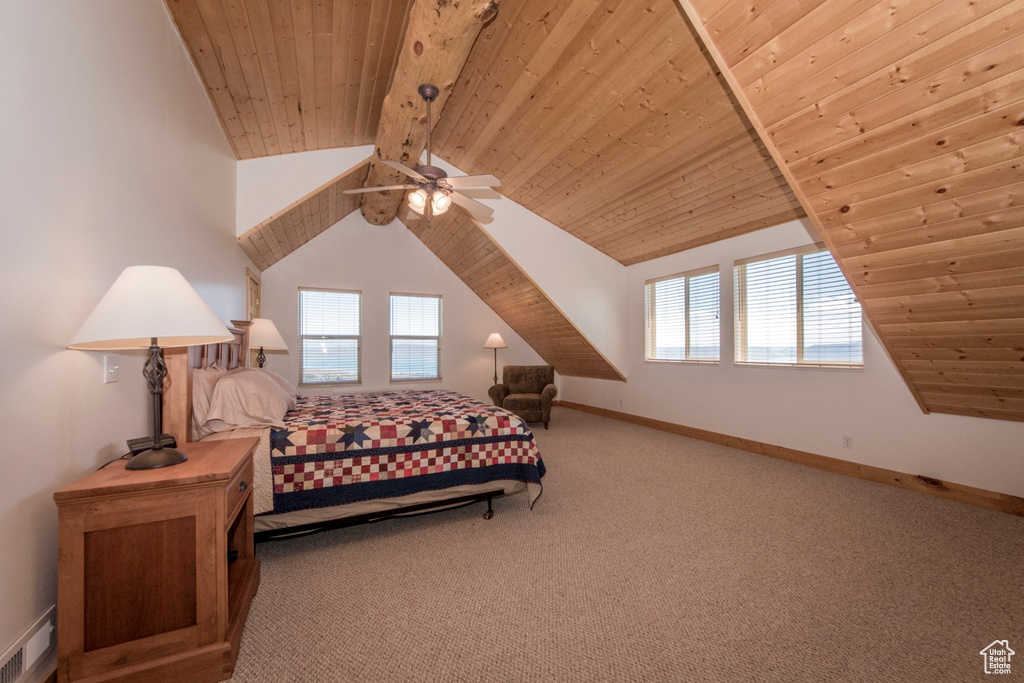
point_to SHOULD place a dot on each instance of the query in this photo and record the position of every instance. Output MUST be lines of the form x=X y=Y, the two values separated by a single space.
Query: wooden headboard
x=177 y=412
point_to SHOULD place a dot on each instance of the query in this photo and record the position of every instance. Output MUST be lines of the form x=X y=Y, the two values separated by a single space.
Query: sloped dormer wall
x=806 y=409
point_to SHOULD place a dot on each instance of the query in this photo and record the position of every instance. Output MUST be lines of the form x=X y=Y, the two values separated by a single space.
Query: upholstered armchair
x=526 y=390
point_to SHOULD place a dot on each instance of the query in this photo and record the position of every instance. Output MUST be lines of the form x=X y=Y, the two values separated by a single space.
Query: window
x=683 y=317
x=415 y=337
x=330 y=328
x=796 y=308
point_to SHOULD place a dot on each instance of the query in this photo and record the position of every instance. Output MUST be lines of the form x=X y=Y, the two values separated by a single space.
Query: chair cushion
x=521 y=402
x=528 y=379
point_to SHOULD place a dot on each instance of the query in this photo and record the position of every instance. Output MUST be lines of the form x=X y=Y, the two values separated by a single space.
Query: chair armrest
x=546 y=397
x=498 y=392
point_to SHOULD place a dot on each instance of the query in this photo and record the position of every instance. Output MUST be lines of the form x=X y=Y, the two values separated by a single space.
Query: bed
x=336 y=460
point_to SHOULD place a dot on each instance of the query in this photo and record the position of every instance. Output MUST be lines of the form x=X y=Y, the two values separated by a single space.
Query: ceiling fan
x=434 y=190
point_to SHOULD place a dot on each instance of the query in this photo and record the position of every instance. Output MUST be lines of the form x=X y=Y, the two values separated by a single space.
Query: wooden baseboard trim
x=950 y=491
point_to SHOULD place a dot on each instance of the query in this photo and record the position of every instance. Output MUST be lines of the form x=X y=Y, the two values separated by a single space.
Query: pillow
x=203 y=381
x=248 y=398
x=288 y=387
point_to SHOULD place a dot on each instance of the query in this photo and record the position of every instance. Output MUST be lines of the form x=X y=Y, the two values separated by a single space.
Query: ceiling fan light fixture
x=418 y=200
x=439 y=202
x=434 y=191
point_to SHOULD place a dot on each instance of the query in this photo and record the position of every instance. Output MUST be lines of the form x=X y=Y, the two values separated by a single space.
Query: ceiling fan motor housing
x=430 y=172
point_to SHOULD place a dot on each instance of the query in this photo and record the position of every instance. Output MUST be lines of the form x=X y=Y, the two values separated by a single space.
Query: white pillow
x=288 y=387
x=248 y=398
x=203 y=381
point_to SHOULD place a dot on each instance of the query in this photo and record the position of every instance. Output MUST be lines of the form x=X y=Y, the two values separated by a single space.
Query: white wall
x=582 y=281
x=378 y=260
x=269 y=184
x=808 y=409
x=111 y=156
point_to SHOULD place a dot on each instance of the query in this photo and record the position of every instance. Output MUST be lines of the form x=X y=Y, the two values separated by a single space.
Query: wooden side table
x=157 y=568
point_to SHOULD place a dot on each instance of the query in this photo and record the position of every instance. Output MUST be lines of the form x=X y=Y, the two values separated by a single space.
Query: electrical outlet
x=111 y=369
x=847 y=442
x=622 y=402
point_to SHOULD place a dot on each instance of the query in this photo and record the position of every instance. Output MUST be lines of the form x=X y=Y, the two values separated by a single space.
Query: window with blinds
x=683 y=318
x=415 y=337
x=330 y=336
x=796 y=308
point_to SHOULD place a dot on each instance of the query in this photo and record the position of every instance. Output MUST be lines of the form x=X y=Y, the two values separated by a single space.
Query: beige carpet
x=650 y=557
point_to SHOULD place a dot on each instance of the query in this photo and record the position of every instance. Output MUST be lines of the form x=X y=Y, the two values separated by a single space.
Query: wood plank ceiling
x=301 y=221
x=603 y=116
x=608 y=119
x=897 y=124
x=293 y=76
x=900 y=126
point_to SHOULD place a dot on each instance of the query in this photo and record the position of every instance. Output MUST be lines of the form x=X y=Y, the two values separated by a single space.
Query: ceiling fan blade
x=473 y=206
x=467 y=181
x=380 y=189
x=404 y=169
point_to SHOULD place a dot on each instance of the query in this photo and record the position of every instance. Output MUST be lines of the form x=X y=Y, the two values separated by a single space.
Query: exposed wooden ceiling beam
x=438 y=39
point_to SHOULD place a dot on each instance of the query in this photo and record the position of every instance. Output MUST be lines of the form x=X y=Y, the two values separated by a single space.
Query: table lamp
x=151 y=307
x=263 y=333
x=495 y=342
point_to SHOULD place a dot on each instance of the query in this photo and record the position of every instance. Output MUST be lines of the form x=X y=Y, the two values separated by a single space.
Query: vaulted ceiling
x=646 y=128
x=608 y=119
x=899 y=125
x=293 y=76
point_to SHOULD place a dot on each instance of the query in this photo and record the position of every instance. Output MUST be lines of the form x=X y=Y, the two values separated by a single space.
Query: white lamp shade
x=495 y=342
x=263 y=334
x=418 y=199
x=439 y=202
x=147 y=302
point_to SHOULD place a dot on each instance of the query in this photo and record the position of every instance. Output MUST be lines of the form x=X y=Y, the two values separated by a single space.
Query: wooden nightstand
x=146 y=590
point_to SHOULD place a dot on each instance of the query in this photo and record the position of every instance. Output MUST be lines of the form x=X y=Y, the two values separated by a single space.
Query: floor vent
x=20 y=661
x=13 y=668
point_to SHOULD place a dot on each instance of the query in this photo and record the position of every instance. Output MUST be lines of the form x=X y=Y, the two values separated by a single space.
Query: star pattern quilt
x=341 y=449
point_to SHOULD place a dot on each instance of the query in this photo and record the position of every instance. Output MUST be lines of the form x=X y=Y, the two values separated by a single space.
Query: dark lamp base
x=151 y=460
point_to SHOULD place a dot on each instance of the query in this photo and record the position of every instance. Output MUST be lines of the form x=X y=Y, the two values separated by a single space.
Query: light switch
x=111 y=369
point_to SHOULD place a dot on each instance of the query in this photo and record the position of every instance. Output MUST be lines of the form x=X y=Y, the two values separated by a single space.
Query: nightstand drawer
x=238 y=489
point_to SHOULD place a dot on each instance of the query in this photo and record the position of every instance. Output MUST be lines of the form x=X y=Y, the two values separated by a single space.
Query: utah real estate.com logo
x=997 y=657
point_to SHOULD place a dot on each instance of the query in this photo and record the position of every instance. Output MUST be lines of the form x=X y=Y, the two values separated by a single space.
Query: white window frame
x=358 y=338
x=393 y=337
x=651 y=323
x=742 y=333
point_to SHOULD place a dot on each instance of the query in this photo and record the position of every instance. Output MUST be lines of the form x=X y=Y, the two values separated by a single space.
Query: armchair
x=526 y=390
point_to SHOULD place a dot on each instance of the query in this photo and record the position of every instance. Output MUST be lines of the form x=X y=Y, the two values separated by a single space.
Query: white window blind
x=683 y=317
x=415 y=337
x=330 y=329
x=796 y=308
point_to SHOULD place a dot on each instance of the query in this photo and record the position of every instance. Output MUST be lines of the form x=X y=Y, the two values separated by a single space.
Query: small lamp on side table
x=495 y=342
x=264 y=335
x=156 y=308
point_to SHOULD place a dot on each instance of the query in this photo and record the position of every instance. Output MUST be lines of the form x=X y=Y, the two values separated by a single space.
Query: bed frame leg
x=490 y=510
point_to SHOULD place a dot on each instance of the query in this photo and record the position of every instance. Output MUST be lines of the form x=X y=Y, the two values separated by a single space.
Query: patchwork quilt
x=341 y=449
